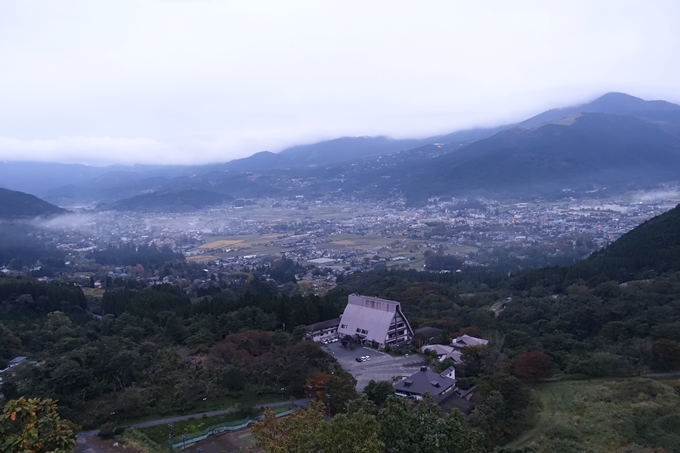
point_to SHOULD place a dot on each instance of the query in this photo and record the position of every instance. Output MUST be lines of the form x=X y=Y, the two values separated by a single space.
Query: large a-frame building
x=368 y=319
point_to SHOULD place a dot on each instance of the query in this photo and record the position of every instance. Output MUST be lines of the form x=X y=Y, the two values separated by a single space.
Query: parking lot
x=380 y=367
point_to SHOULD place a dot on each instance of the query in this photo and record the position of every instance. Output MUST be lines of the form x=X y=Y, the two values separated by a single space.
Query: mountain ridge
x=433 y=169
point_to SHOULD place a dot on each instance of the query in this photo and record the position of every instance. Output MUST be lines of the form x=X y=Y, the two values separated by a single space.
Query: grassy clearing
x=603 y=416
x=220 y=244
x=134 y=438
x=94 y=292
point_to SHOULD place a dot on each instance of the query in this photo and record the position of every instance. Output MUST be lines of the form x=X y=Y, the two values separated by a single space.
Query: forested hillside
x=14 y=205
x=648 y=250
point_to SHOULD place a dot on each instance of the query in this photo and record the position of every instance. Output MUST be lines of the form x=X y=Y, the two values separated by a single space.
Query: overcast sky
x=182 y=82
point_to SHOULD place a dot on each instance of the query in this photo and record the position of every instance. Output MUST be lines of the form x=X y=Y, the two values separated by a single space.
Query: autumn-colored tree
x=290 y=434
x=315 y=387
x=308 y=431
x=34 y=426
x=534 y=366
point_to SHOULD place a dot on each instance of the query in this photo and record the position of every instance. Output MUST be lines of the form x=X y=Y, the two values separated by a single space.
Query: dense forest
x=19 y=248
x=133 y=254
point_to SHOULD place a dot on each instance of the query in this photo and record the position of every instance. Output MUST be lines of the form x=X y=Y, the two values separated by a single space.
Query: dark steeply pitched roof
x=323 y=325
x=424 y=381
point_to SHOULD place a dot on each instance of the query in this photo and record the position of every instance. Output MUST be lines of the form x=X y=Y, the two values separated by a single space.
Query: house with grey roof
x=324 y=330
x=16 y=361
x=466 y=340
x=426 y=381
x=440 y=386
x=370 y=319
x=444 y=352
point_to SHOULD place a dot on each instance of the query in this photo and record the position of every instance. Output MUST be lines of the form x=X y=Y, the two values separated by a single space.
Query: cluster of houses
x=382 y=324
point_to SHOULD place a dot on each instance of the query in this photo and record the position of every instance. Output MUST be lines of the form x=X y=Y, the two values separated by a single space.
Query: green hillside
x=651 y=248
x=654 y=245
x=605 y=415
x=15 y=205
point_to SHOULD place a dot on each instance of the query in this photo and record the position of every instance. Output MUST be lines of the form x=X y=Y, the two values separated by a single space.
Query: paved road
x=381 y=367
x=83 y=445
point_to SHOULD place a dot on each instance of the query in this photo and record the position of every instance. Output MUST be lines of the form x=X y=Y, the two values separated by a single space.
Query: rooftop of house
x=466 y=340
x=448 y=352
x=323 y=325
x=372 y=317
x=425 y=381
x=17 y=360
x=454 y=401
x=440 y=349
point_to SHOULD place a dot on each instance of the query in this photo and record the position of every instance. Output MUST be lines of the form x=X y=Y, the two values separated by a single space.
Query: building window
x=344 y=326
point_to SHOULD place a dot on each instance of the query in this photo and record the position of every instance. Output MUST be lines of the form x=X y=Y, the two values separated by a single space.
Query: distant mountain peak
x=613 y=103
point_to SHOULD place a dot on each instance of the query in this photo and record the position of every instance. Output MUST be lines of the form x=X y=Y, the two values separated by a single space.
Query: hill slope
x=652 y=247
x=170 y=201
x=15 y=205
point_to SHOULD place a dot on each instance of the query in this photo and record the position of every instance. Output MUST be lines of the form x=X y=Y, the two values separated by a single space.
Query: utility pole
x=170 y=436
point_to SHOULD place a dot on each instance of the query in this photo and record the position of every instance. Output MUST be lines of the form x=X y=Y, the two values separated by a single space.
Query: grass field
x=221 y=244
x=94 y=292
x=603 y=416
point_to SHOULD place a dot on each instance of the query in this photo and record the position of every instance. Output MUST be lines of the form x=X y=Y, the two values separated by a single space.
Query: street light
x=170 y=436
x=184 y=442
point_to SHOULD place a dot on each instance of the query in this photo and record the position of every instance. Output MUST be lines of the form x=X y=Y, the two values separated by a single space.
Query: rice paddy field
x=398 y=251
